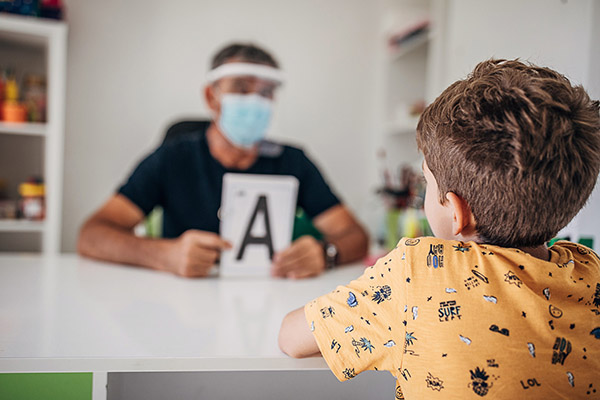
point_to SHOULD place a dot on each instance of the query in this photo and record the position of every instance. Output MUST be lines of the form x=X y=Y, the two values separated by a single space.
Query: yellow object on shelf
x=29 y=189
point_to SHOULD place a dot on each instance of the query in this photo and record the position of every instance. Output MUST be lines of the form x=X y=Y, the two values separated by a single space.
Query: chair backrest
x=186 y=128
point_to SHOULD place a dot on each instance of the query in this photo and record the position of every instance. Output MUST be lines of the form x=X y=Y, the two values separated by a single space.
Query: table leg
x=99 y=383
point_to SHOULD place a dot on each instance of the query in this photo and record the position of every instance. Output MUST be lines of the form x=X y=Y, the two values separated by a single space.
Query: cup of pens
x=403 y=201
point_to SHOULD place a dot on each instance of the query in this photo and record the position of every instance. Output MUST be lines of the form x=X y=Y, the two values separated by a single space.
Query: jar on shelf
x=34 y=98
x=32 y=204
x=12 y=109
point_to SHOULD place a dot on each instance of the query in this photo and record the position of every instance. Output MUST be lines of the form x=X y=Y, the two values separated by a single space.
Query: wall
x=136 y=66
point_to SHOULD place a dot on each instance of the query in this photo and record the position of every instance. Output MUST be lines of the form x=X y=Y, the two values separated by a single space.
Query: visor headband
x=245 y=69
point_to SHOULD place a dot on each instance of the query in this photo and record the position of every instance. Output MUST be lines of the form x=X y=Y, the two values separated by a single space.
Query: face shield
x=246 y=93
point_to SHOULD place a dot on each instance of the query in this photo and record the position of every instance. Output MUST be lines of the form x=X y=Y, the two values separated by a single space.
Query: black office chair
x=186 y=128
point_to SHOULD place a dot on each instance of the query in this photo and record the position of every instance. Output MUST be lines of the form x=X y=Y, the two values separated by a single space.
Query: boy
x=512 y=153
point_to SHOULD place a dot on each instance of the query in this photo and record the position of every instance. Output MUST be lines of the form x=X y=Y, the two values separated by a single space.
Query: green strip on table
x=47 y=386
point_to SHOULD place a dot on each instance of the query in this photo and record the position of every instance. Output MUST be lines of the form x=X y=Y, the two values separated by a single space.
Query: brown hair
x=519 y=144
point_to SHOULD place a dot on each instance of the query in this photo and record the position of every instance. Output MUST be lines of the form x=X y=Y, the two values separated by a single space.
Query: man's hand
x=304 y=258
x=194 y=253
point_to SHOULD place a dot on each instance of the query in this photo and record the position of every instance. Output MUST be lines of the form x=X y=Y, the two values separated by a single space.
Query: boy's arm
x=295 y=338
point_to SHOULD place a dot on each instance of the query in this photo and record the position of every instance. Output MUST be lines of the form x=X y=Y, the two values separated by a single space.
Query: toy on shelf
x=403 y=197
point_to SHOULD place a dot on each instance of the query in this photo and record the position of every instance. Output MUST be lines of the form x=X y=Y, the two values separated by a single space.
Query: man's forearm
x=101 y=240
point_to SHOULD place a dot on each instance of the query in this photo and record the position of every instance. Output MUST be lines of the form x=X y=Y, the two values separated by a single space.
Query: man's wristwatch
x=331 y=254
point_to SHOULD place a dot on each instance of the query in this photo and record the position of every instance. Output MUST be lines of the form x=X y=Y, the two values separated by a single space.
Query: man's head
x=515 y=147
x=240 y=89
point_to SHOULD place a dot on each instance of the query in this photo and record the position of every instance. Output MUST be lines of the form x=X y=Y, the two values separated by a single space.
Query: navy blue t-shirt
x=184 y=178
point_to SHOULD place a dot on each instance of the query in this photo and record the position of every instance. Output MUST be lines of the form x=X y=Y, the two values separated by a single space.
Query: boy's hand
x=194 y=253
x=304 y=258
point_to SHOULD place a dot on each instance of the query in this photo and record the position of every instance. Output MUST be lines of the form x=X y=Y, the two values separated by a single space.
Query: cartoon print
x=555 y=311
x=512 y=279
x=389 y=343
x=546 y=292
x=571 y=378
x=327 y=312
x=596 y=298
x=405 y=374
x=435 y=257
x=352 y=302
x=492 y=363
x=409 y=338
x=565 y=265
x=531 y=347
x=461 y=247
x=480 y=384
x=412 y=242
x=399 y=394
x=448 y=311
x=335 y=345
x=562 y=348
x=382 y=293
x=471 y=282
x=503 y=331
x=591 y=389
x=434 y=383
x=530 y=383
x=481 y=276
x=349 y=373
x=415 y=312
x=491 y=299
x=349 y=329
x=582 y=250
x=363 y=344
x=596 y=332
x=465 y=339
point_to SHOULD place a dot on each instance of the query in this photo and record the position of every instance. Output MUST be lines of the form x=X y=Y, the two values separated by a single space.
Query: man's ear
x=211 y=99
x=463 y=221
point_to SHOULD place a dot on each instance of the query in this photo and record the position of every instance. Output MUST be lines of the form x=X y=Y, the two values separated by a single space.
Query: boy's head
x=517 y=146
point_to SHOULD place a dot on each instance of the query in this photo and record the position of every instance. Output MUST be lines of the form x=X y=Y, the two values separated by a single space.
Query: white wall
x=136 y=65
x=561 y=34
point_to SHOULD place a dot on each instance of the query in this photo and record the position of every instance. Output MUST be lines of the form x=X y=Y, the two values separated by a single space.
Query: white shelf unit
x=25 y=43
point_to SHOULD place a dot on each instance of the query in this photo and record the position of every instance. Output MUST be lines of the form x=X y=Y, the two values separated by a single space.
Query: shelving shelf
x=25 y=128
x=414 y=44
x=21 y=225
x=37 y=45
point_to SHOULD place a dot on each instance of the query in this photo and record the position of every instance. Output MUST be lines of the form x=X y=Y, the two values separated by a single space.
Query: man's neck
x=228 y=155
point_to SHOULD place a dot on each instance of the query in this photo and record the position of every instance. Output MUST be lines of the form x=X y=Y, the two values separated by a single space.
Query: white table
x=69 y=314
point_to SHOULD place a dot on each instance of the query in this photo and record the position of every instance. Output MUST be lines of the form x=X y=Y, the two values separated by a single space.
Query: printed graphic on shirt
x=435 y=257
x=474 y=309
x=448 y=311
x=479 y=381
x=562 y=348
x=434 y=383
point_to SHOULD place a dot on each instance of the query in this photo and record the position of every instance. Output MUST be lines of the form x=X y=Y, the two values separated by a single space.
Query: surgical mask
x=245 y=118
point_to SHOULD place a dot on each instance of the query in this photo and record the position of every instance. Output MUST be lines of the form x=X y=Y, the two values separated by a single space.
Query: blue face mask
x=245 y=118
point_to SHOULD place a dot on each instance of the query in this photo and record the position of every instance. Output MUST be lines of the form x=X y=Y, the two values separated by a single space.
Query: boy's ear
x=463 y=221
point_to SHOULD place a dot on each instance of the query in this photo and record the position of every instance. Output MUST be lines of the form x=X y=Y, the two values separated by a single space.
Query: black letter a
x=261 y=205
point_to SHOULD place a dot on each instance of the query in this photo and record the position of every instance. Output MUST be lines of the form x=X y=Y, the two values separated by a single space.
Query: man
x=185 y=178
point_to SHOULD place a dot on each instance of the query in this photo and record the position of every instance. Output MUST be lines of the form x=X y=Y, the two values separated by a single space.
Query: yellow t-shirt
x=461 y=320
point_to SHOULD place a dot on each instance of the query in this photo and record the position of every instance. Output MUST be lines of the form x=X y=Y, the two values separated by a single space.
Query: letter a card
x=257 y=217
